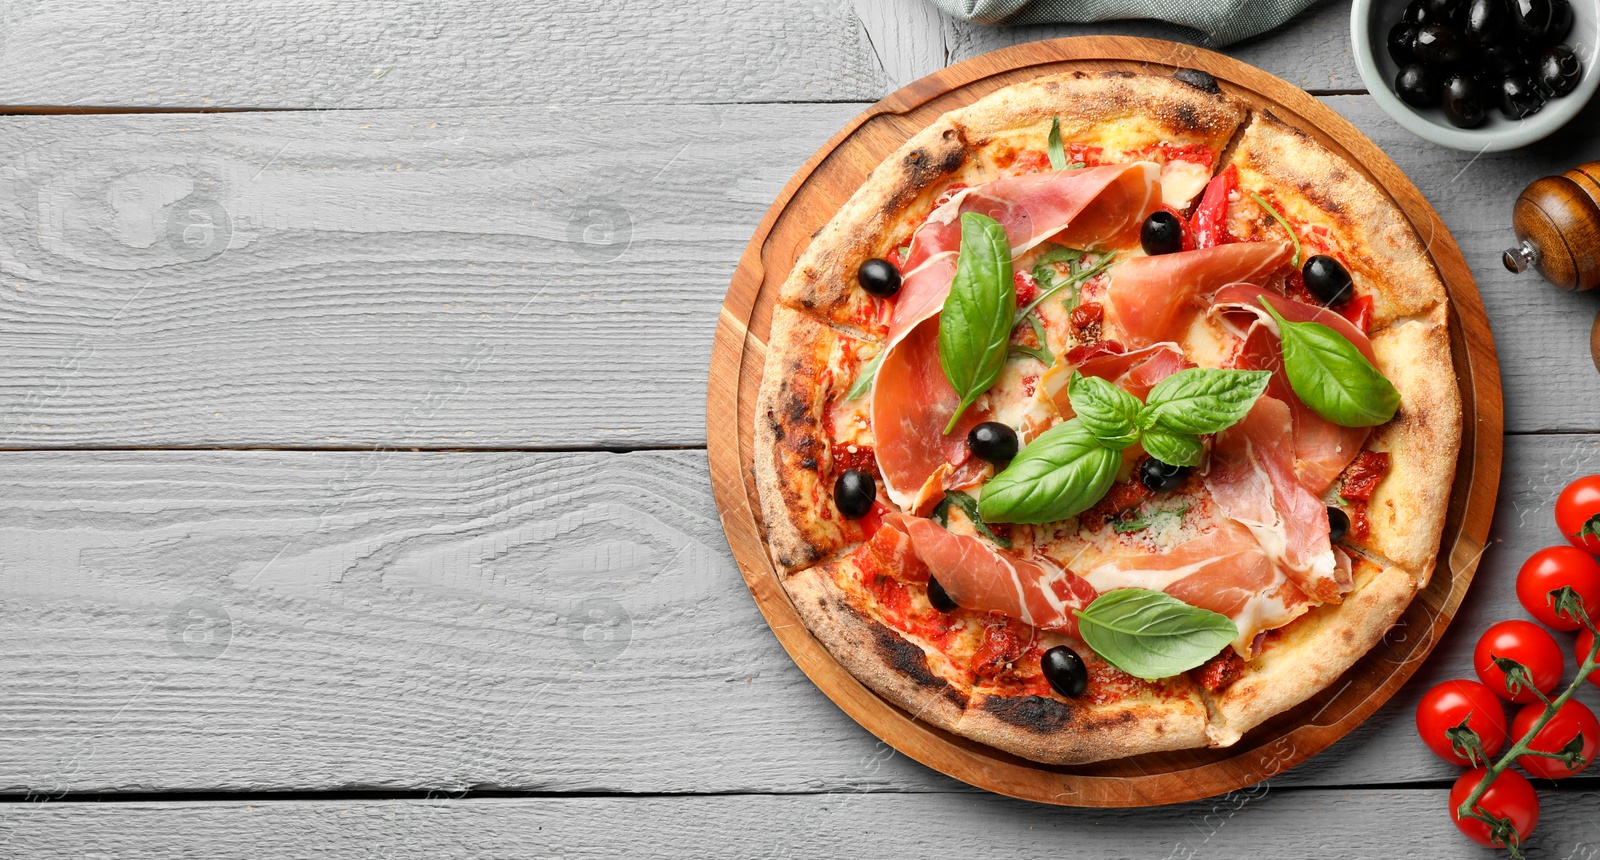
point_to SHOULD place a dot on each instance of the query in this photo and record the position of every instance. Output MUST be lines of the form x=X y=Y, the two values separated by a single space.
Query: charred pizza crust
x=1118 y=112
x=930 y=686
x=826 y=328
x=810 y=366
x=1311 y=652
x=1341 y=210
x=1406 y=512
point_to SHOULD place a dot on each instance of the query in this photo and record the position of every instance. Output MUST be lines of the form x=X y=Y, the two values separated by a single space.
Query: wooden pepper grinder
x=1557 y=220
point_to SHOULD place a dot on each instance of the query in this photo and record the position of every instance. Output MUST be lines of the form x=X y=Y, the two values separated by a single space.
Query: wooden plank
x=539 y=277
x=1261 y=821
x=286 y=621
x=326 y=54
x=387 y=278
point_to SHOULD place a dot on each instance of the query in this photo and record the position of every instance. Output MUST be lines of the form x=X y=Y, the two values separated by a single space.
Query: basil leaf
x=969 y=506
x=1331 y=375
x=1174 y=449
x=1198 y=400
x=1060 y=474
x=1105 y=410
x=1152 y=635
x=976 y=322
x=869 y=372
x=1058 y=155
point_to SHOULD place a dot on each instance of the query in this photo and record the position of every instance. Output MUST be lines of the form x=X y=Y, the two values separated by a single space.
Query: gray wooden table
x=353 y=492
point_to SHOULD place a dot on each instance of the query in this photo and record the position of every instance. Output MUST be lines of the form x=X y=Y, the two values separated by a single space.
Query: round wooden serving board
x=738 y=356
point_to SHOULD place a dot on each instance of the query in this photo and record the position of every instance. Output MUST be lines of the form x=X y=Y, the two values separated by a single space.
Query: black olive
x=1162 y=233
x=1502 y=58
x=1436 y=43
x=1198 y=79
x=941 y=598
x=1463 y=102
x=1447 y=11
x=853 y=493
x=1065 y=671
x=1531 y=18
x=1328 y=280
x=1485 y=21
x=1159 y=477
x=1417 y=12
x=1560 y=22
x=1519 y=98
x=993 y=441
x=879 y=277
x=1559 y=70
x=1401 y=36
x=1338 y=525
x=1418 y=85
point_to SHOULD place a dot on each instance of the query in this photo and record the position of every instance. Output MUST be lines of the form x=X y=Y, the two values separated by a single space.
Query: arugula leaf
x=1058 y=155
x=1041 y=352
x=869 y=372
x=1140 y=522
x=1074 y=280
x=1331 y=375
x=1060 y=474
x=969 y=506
x=1282 y=222
x=976 y=322
x=1201 y=400
x=1174 y=449
x=1152 y=635
x=941 y=513
x=1106 y=411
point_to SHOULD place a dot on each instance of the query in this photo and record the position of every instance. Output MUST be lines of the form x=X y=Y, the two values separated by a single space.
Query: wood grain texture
x=1286 y=737
x=173 y=54
x=444 y=278
x=411 y=53
x=273 y=621
x=1258 y=822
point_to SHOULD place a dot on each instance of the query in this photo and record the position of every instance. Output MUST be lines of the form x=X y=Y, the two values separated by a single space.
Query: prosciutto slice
x=911 y=399
x=1224 y=570
x=1252 y=478
x=1322 y=449
x=1135 y=372
x=1155 y=299
x=1036 y=591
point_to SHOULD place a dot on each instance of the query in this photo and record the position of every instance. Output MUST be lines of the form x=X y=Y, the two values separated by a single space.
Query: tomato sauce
x=1363 y=476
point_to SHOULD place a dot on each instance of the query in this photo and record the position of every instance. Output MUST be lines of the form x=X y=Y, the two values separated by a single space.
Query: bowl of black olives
x=1478 y=75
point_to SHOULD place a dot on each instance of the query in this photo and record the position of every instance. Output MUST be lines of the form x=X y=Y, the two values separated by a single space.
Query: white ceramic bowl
x=1370 y=22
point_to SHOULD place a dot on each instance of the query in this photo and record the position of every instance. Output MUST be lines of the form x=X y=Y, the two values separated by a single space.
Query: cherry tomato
x=1585 y=648
x=1511 y=796
x=1578 y=513
x=1528 y=644
x=1549 y=569
x=1573 y=717
x=1452 y=703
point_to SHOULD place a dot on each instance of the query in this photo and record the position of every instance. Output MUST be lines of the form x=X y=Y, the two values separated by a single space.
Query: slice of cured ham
x=1251 y=477
x=1155 y=299
x=911 y=399
x=1135 y=372
x=1224 y=570
x=1322 y=449
x=1036 y=591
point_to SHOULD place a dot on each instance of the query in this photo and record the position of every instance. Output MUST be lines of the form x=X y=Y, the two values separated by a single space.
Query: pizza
x=1109 y=416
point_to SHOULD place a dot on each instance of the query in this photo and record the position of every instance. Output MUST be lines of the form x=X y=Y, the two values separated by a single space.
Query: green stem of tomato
x=1468 y=808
